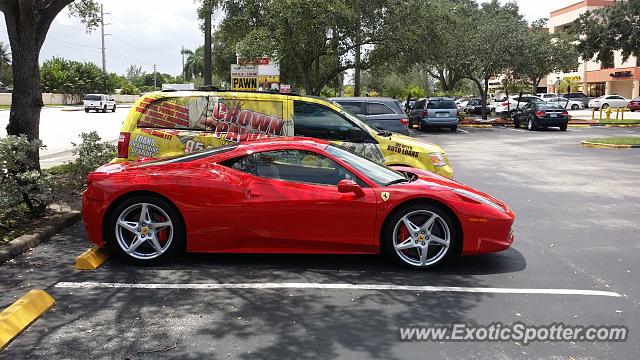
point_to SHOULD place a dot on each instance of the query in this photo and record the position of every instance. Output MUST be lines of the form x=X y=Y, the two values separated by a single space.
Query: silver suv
x=434 y=112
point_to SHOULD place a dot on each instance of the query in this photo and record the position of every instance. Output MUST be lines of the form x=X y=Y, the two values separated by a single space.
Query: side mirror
x=355 y=135
x=348 y=186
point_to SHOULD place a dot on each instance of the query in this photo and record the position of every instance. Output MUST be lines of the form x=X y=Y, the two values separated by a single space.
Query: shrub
x=92 y=152
x=20 y=185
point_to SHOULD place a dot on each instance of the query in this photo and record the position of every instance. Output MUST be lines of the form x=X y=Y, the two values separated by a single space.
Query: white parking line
x=463 y=131
x=512 y=129
x=267 y=286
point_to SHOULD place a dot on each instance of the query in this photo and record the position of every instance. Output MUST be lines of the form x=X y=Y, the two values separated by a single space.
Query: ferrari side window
x=245 y=164
x=301 y=166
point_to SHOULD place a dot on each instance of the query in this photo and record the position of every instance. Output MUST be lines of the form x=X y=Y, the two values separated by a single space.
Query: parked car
x=434 y=112
x=547 y=96
x=566 y=103
x=607 y=101
x=474 y=107
x=537 y=114
x=164 y=124
x=578 y=96
x=99 y=102
x=288 y=195
x=634 y=104
x=514 y=102
x=383 y=113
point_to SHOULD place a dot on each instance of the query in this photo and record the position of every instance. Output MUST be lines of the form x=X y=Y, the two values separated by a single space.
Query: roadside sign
x=244 y=77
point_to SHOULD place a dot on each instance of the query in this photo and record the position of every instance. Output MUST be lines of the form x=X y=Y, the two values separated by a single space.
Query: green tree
x=601 y=31
x=135 y=74
x=5 y=64
x=28 y=22
x=60 y=75
x=542 y=53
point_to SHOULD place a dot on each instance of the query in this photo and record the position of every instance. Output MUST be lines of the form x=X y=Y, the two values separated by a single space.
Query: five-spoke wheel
x=144 y=230
x=421 y=236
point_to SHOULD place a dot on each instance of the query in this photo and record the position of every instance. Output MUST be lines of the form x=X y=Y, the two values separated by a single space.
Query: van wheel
x=104 y=109
x=454 y=128
x=421 y=126
x=86 y=110
x=114 y=108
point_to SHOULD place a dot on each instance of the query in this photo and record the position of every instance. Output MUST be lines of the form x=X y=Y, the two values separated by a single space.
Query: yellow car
x=172 y=123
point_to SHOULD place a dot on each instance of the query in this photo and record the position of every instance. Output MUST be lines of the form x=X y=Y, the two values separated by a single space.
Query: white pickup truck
x=99 y=102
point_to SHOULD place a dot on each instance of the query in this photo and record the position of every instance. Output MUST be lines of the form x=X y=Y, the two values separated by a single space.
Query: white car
x=547 y=96
x=607 y=101
x=514 y=102
x=99 y=102
x=566 y=103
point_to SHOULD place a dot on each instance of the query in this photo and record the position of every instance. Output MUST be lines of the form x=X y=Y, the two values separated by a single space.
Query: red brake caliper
x=163 y=234
x=403 y=234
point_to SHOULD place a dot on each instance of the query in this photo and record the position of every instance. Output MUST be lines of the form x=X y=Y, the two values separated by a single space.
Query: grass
x=620 y=121
x=5 y=107
x=622 y=140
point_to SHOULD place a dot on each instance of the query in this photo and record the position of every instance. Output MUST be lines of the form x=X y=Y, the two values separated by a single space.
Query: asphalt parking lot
x=577 y=228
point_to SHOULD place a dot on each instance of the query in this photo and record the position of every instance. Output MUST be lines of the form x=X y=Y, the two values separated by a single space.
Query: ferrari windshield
x=379 y=174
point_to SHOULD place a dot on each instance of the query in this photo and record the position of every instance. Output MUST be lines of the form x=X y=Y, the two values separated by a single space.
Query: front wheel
x=421 y=236
x=86 y=110
x=104 y=109
x=145 y=230
x=114 y=108
x=575 y=107
x=605 y=106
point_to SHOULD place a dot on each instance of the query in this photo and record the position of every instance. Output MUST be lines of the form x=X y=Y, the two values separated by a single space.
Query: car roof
x=285 y=142
x=362 y=98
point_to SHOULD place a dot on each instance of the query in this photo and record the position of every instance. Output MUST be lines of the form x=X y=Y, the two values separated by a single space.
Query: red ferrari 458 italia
x=288 y=195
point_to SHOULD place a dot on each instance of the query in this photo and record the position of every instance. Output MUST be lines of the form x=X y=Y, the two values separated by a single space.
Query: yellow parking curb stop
x=19 y=315
x=596 y=145
x=92 y=258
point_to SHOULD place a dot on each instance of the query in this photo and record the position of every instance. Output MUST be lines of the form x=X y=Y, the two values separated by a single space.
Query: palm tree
x=194 y=65
x=5 y=54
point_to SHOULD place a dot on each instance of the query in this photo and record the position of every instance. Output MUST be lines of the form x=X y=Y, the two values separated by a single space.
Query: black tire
x=604 y=106
x=177 y=237
x=454 y=128
x=575 y=107
x=104 y=109
x=455 y=243
x=563 y=127
x=114 y=108
x=421 y=127
x=86 y=110
x=531 y=125
x=516 y=122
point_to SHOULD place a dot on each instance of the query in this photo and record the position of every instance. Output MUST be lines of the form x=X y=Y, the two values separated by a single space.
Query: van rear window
x=442 y=104
x=93 y=97
x=232 y=118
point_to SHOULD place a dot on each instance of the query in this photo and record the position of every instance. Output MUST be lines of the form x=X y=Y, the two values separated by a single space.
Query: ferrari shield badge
x=384 y=195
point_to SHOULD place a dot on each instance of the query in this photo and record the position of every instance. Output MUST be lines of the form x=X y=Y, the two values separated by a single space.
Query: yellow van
x=172 y=123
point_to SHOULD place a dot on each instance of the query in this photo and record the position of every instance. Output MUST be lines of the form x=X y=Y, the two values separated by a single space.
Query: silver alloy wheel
x=144 y=231
x=426 y=244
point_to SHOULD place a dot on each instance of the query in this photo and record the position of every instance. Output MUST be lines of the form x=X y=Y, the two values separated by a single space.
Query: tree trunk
x=483 y=94
x=356 y=72
x=207 y=47
x=306 y=79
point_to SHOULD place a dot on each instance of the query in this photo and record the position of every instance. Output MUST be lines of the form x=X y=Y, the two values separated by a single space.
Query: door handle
x=252 y=194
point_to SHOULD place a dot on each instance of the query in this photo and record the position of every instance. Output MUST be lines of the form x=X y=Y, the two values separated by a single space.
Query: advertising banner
x=244 y=77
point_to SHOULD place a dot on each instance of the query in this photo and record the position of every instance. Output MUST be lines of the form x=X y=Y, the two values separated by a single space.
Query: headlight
x=478 y=198
x=437 y=159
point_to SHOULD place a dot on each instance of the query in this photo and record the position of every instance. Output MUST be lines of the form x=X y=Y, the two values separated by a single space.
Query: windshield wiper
x=397 y=181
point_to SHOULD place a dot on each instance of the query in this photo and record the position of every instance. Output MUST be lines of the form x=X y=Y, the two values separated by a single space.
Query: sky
x=148 y=32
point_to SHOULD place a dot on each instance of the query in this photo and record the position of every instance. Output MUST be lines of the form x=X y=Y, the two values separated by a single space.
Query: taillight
x=404 y=122
x=425 y=113
x=565 y=113
x=504 y=104
x=123 y=145
x=540 y=113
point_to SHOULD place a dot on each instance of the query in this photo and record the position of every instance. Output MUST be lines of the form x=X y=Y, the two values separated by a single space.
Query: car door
x=618 y=101
x=293 y=205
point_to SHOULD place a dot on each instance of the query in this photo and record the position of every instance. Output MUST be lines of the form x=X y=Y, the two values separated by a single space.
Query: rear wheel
x=104 y=109
x=145 y=230
x=114 y=108
x=454 y=128
x=531 y=125
x=563 y=127
x=421 y=236
x=421 y=126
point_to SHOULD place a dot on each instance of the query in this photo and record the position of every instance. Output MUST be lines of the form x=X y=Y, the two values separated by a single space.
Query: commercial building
x=593 y=78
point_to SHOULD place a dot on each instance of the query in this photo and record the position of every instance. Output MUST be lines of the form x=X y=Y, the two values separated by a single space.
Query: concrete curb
x=22 y=313
x=596 y=145
x=25 y=242
x=480 y=125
